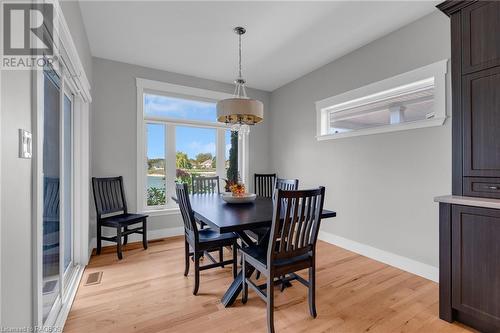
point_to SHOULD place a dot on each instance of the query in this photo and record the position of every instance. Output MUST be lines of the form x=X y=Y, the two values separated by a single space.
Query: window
x=179 y=137
x=410 y=100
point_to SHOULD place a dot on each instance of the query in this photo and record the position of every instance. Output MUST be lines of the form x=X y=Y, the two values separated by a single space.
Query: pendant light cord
x=239 y=64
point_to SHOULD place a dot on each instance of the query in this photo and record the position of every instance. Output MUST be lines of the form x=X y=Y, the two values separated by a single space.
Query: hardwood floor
x=147 y=292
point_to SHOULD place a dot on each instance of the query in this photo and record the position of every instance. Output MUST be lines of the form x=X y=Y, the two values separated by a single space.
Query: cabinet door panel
x=476 y=262
x=481 y=36
x=481 y=123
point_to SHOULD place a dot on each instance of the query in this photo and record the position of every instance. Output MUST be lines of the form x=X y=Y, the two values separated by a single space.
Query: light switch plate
x=25 y=145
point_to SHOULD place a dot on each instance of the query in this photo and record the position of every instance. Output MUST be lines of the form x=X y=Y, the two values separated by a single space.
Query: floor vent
x=93 y=278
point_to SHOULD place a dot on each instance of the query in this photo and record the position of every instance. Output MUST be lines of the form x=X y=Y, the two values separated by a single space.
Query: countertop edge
x=469 y=201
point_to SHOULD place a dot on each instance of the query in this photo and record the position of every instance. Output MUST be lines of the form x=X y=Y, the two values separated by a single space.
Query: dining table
x=239 y=218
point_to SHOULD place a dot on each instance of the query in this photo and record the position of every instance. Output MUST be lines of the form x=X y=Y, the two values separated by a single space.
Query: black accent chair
x=204 y=185
x=264 y=184
x=281 y=184
x=109 y=199
x=292 y=247
x=202 y=242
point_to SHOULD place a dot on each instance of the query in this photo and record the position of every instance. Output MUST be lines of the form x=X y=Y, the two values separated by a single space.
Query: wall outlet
x=25 y=146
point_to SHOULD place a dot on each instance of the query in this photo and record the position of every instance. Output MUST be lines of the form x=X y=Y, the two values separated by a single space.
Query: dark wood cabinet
x=481 y=123
x=480 y=36
x=475 y=65
x=475 y=244
x=469 y=228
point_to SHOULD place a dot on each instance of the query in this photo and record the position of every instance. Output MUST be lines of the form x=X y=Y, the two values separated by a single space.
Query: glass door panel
x=67 y=184
x=51 y=177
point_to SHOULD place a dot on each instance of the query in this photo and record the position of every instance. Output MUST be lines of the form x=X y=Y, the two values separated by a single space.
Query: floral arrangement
x=238 y=189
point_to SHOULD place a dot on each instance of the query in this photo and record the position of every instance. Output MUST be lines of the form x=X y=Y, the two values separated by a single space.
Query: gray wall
x=114 y=121
x=15 y=210
x=16 y=189
x=381 y=185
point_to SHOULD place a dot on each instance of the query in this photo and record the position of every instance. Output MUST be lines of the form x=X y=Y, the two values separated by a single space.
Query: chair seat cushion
x=260 y=254
x=209 y=235
x=123 y=219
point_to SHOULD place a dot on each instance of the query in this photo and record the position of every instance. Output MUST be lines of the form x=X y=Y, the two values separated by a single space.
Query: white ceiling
x=284 y=40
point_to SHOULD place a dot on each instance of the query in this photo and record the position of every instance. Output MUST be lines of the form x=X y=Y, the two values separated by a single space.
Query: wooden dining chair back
x=296 y=223
x=109 y=195
x=286 y=184
x=205 y=185
x=264 y=184
x=282 y=184
x=111 y=208
x=292 y=247
x=200 y=243
x=190 y=226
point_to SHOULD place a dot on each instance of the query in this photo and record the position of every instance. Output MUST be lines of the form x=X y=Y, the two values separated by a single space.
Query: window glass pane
x=67 y=144
x=195 y=152
x=156 y=185
x=392 y=109
x=51 y=198
x=178 y=108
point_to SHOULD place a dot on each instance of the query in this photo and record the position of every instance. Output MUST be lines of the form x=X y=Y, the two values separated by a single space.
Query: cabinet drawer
x=482 y=187
x=480 y=36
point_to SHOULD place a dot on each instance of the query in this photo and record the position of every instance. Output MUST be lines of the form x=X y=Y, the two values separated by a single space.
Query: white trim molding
x=152 y=235
x=378 y=92
x=406 y=264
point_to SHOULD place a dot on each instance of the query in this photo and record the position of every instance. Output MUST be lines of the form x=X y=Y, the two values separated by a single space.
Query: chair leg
x=312 y=291
x=221 y=256
x=144 y=235
x=196 y=273
x=235 y=259
x=244 y=286
x=119 y=242
x=186 y=269
x=270 y=304
x=99 y=240
x=125 y=237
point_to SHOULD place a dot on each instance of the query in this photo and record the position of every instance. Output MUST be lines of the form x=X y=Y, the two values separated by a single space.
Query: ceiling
x=284 y=40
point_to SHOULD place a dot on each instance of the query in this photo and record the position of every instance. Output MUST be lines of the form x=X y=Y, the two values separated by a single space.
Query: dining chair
x=281 y=184
x=202 y=242
x=204 y=185
x=292 y=247
x=264 y=184
x=112 y=212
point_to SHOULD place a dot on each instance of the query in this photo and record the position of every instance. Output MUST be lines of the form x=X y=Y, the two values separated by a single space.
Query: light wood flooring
x=147 y=292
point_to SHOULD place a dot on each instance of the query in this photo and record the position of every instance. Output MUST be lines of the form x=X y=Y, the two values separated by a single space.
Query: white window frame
x=371 y=93
x=145 y=86
x=73 y=77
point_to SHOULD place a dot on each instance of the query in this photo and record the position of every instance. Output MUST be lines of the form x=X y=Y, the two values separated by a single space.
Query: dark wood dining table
x=238 y=218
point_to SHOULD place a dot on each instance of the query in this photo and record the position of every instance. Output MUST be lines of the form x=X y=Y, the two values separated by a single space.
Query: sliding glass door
x=57 y=248
x=51 y=191
x=67 y=190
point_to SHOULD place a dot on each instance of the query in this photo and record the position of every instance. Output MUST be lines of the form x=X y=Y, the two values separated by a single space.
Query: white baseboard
x=404 y=263
x=152 y=234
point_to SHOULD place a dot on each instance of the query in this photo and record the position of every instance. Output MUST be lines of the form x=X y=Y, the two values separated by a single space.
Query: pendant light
x=240 y=111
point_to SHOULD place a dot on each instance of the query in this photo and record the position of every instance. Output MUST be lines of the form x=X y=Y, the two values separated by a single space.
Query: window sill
x=385 y=129
x=162 y=212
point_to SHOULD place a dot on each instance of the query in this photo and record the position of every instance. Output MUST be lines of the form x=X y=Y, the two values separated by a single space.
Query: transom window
x=181 y=138
x=411 y=100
